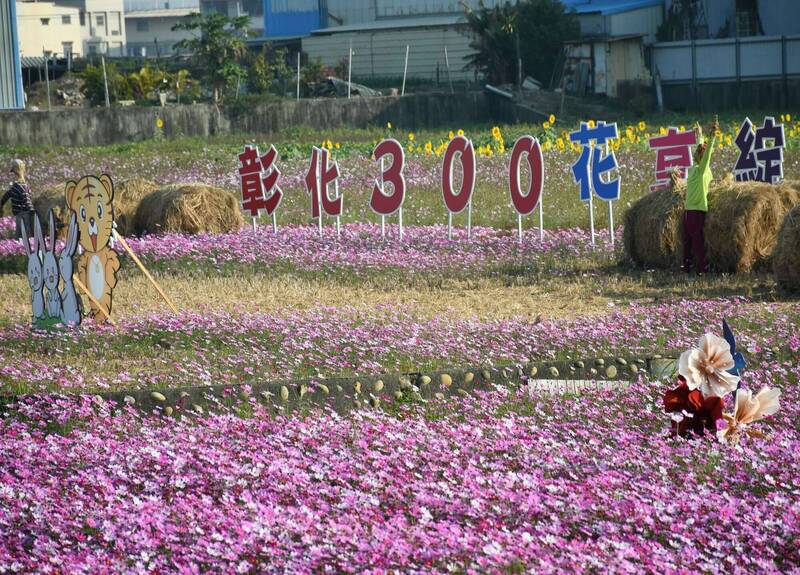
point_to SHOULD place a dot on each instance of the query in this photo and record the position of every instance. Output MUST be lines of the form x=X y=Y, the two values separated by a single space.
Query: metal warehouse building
x=379 y=47
x=11 y=96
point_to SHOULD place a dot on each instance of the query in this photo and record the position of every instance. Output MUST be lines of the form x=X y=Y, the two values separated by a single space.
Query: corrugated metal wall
x=10 y=72
x=381 y=53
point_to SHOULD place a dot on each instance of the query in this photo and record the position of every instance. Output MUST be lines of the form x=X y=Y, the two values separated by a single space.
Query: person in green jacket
x=698 y=179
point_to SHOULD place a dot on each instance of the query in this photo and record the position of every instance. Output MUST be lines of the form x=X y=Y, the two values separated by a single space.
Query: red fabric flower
x=699 y=413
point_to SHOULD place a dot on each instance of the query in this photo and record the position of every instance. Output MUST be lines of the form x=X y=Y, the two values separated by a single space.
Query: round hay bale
x=653 y=229
x=786 y=258
x=189 y=208
x=51 y=198
x=743 y=223
x=741 y=226
x=127 y=195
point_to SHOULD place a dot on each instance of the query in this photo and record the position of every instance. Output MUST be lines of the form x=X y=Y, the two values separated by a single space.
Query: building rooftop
x=608 y=7
x=162 y=13
x=395 y=23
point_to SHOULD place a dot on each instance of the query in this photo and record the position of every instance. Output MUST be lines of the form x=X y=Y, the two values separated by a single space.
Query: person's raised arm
x=706 y=159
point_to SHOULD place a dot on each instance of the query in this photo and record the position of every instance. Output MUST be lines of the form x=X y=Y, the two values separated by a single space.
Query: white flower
x=749 y=409
x=706 y=366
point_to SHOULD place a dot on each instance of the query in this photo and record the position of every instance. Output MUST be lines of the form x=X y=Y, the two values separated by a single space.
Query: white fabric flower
x=749 y=409
x=706 y=367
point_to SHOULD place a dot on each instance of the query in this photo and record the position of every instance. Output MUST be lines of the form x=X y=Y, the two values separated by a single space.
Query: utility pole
x=519 y=53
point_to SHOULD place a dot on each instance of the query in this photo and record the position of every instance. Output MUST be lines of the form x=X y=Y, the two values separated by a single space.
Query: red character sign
x=526 y=203
x=258 y=180
x=320 y=175
x=381 y=203
x=461 y=147
x=673 y=150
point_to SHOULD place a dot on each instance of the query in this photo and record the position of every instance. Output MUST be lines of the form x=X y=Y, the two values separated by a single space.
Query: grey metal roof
x=394 y=24
x=33 y=61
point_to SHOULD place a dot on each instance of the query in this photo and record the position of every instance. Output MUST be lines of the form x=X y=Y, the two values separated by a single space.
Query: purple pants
x=694 y=240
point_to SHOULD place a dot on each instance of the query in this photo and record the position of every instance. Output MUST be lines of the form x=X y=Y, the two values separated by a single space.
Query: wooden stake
x=128 y=249
x=85 y=290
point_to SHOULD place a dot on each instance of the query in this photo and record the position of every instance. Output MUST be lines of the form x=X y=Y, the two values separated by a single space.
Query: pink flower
x=706 y=365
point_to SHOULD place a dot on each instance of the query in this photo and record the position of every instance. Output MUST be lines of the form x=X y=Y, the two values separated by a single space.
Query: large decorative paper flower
x=706 y=367
x=694 y=412
x=749 y=409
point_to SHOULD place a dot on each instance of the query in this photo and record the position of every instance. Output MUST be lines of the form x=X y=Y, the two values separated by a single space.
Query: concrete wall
x=100 y=126
x=719 y=96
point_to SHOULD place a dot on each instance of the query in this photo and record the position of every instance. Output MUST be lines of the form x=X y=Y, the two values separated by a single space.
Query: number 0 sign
x=462 y=148
x=524 y=204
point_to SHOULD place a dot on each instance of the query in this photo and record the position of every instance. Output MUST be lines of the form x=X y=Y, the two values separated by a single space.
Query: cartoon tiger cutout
x=91 y=199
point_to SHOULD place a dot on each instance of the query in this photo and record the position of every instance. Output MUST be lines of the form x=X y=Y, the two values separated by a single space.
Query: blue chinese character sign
x=760 y=152
x=592 y=164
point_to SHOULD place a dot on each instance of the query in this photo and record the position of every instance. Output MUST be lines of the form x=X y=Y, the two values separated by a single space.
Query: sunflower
x=496 y=133
x=552 y=119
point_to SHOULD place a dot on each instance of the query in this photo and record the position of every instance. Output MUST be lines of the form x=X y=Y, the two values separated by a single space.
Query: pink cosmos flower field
x=502 y=482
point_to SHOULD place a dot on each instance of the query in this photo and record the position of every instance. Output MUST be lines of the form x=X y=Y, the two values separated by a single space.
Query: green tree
x=218 y=47
x=540 y=27
x=492 y=31
x=266 y=66
x=94 y=88
x=145 y=82
x=544 y=26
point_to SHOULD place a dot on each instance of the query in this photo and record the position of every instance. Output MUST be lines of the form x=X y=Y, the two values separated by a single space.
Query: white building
x=49 y=28
x=102 y=25
x=52 y=25
x=148 y=25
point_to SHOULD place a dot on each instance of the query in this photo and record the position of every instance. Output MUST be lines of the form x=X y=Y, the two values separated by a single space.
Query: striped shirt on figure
x=20 y=195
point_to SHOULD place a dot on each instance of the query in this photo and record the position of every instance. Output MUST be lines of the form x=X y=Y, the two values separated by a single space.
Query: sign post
x=382 y=203
x=462 y=148
x=589 y=168
x=525 y=204
x=405 y=71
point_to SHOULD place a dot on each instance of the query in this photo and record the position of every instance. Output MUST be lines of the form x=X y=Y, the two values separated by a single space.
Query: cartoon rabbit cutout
x=35 y=277
x=71 y=308
x=50 y=272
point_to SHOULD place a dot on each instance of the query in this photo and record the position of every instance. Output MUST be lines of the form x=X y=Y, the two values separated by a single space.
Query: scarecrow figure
x=20 y=195
x=694 y=216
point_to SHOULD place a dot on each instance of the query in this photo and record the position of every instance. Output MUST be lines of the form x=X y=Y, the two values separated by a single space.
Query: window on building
x=45 y=21
x=66 y=48
x=747 y=23
x=100 y=19
x=94 y=48
x=253 y=7
x=82 y=18
x=66 y=19
x=142 y=25
x=216 y=7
